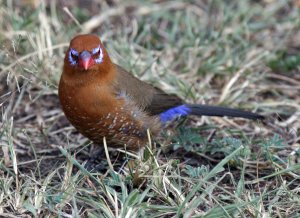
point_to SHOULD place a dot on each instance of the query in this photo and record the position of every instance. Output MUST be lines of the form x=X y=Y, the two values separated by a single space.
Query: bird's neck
x=100 y=75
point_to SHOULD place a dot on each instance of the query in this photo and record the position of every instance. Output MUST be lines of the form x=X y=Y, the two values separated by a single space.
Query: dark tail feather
x=207 y=110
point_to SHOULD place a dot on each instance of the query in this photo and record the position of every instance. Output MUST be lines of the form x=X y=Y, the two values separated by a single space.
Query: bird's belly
x=97 y=117
x=118 y=129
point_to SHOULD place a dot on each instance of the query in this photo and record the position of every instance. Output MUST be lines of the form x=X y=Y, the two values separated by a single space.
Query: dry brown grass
x=240 y=54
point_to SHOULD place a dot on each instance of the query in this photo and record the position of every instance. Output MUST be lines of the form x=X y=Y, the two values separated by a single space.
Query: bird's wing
x=153 y=100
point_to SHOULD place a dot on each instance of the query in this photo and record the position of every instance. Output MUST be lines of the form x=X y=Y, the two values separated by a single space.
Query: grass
x=242 y=54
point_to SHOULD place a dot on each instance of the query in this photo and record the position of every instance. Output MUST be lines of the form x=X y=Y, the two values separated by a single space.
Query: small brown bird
x=101 y=99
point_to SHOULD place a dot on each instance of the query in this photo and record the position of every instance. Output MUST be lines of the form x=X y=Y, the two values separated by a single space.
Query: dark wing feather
x=151 y=99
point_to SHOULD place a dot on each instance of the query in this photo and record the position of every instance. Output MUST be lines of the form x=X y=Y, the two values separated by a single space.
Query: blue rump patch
x=174 y=112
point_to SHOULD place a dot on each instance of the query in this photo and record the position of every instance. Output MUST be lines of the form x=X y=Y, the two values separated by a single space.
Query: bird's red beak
x=86 y=60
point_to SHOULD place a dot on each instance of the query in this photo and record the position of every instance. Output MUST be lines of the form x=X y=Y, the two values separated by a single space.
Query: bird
x=101 y=99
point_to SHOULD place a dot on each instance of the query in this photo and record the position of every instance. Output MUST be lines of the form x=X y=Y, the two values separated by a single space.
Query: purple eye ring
x=99 y=59
x=73 y=53
x=95 y=50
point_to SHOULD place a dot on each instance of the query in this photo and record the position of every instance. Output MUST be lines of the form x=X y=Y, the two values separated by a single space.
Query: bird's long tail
x=206 y=110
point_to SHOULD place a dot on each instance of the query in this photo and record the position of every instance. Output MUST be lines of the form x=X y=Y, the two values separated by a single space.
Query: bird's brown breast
x=96 y=112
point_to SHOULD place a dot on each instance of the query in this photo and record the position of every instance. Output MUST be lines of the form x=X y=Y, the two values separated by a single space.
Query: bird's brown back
x=151 y=99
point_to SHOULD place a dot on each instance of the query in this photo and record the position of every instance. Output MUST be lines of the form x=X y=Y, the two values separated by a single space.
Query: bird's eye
x=73 y=56
x=97 y=54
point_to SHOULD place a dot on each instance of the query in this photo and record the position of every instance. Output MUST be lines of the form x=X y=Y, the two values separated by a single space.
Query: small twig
x=72 y=17
x=107 y=155
x=285 y=78
x=96 y=21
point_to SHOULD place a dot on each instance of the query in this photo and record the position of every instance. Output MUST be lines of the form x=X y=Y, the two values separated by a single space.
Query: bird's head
x=86 y=52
